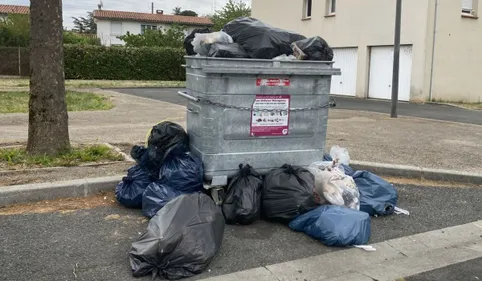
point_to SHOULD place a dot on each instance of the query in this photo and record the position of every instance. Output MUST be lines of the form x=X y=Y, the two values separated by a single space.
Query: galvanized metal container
x=222 y=93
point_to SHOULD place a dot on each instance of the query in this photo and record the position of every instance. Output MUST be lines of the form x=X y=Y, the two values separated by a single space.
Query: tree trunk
x=48 y=131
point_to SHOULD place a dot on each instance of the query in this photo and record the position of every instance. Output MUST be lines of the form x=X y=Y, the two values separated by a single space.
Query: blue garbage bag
x=335 y=225
x=179 y=175
x=129 y=191
x=184 y=172
x=156 y=196
x=377 y=196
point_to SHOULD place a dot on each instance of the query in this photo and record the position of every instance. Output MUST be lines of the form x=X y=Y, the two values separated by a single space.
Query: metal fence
x=14 y=61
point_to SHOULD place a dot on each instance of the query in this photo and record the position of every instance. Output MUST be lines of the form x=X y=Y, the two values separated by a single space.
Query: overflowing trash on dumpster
x=254 y=149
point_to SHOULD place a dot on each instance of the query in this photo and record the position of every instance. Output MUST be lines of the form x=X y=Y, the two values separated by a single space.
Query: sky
x=79 y=8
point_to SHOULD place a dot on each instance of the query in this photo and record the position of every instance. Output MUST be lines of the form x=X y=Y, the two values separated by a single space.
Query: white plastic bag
x=334 y=186
x=340 y=155
x=284 y=57
x=202 y=41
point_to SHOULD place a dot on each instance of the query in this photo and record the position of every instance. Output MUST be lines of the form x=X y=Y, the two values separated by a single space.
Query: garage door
x=346 y=60
x=381 y=69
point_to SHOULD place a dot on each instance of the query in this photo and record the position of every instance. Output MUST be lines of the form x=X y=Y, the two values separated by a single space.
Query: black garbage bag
x=188 y=40
x=233 y=50
x=129 y=191
x=242 y=203
x=181 y=240
x=137 y=152
x=178 y=175
x=314 y=48
x=166 y=139
x=260 y=40
x=288 y=193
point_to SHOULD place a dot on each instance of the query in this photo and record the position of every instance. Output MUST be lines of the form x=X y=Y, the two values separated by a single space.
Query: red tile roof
x=13 y=9
x=156 y=18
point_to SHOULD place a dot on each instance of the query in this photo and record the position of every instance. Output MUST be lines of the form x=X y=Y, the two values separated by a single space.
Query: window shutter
x=467 y=5
x=116 y=28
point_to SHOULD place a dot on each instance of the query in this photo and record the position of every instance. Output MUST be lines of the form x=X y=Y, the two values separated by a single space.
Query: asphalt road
x=430 y=111
x=465 y=271
x=93 y=244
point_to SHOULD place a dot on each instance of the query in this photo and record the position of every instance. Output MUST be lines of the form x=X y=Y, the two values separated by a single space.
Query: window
x=145 y=27
x=307 y=5
x=469 y=8
x=116 y=28
x=331 y=4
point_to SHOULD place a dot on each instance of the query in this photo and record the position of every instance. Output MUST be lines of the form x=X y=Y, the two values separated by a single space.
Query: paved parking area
x=94 y=243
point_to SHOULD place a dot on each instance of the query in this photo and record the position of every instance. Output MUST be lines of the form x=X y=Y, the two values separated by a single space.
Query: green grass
x=17 y=102
x=18 y=158
x=24 y=83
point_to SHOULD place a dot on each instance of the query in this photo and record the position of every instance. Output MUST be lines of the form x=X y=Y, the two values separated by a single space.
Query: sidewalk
x=372 y=137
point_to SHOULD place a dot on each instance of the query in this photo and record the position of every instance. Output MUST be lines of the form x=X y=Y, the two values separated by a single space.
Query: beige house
x=441 y=53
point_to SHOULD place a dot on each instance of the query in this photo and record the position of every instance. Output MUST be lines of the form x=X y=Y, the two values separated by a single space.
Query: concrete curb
x=84 y=187
x=15 y=194
x=418 y=172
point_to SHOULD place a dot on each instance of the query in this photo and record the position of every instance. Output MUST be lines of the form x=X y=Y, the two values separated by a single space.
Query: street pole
x=396 y=59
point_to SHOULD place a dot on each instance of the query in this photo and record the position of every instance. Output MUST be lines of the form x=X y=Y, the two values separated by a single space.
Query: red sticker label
x=273 y=82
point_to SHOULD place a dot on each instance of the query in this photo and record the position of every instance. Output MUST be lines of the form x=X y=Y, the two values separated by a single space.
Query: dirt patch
x=62 y=174
x=126 y=147
x=65 y=205
x=430 y=183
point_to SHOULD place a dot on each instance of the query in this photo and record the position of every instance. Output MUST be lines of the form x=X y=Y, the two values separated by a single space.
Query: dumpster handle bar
x=189 y=97
x=331 y=103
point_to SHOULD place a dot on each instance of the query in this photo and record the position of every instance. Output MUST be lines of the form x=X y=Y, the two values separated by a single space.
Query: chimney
x=160 y=12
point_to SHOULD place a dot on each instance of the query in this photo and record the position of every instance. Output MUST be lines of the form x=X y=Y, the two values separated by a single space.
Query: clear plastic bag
x=340 y=155
x=202 y=41
x=332 y=185
x=284 y=57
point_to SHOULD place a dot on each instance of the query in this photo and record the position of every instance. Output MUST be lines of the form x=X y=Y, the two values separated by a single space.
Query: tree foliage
x=232 y=10
x=15 y=31
x=177 y=11
x=180 y=12
x=188 y=13
x=85 y=25
x=172 y=37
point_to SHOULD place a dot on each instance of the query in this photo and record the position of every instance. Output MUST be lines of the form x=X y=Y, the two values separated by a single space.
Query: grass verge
x=22 y=83
x=476 y=106
x=18 y=158
x=468 y=105
x=17 y=102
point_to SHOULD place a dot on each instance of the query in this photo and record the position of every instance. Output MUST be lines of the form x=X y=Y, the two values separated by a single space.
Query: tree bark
x=48 y=131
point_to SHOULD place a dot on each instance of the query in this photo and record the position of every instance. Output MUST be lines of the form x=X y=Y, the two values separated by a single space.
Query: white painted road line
x=393 y=259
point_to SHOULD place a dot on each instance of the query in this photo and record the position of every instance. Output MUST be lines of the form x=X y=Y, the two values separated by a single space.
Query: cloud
x=79 y=8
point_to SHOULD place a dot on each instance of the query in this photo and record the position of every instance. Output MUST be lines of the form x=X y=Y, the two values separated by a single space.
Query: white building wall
x=362 y=24
x=107 y=38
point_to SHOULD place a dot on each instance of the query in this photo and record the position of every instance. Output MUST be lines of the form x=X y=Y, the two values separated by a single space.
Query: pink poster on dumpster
x=270 y=115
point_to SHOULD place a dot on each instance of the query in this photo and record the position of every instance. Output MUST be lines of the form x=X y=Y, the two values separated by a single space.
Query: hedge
x=121 y=63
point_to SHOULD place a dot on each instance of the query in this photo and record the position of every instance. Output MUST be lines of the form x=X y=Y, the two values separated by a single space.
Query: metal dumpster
x=263 y=112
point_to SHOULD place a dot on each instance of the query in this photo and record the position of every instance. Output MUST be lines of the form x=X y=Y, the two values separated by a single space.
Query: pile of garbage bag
x=247 y=37
x=329 y=201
